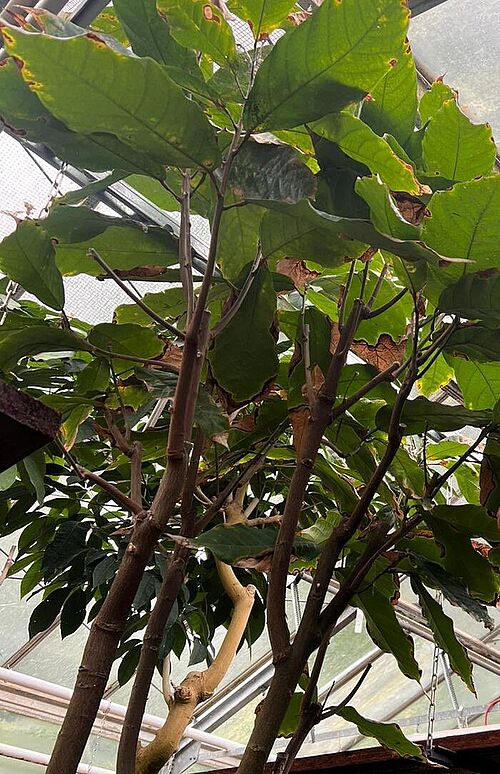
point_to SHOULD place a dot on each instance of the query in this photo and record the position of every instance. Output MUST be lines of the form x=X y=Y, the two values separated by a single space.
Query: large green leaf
x=392 y=106
x=385 y=631
x=327 y=62
x=27 y=256
x=21 y=110
x=358 y=141
x=421 y=414
x=454 y=148
x=131 y=98
x=269 y=171
x=243 y=358
x=438 y=374
x=69 y=541
x=170 y=304
x=263 y=16
x=384 y=214
x=127 y=339
x=33 y=340
x=462 y=561
x=388 y=734
x=474 y=296
x=475 y=342
x=122 y=244
x=238 y=239
x=473 y=520
x=149 y=35
x=464 y=223
x=232 y=544
x=479 y=382
x=200 y=25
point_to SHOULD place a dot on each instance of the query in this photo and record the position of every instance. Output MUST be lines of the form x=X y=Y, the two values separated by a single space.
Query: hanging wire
x=431 y=713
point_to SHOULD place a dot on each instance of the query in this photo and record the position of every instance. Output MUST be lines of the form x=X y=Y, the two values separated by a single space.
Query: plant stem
x=185 y=246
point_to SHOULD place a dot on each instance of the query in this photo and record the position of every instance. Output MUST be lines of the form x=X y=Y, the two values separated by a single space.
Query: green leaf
x=47 y=611
x=464 y=224
x=479 y=382
x=433 y=100
x=238 y=239
x=239 y=542
x=444 y=450
x=33 y=340
x=122 y=244
x=7 y=478
x=21 y=109
x=474 y=342
x=169 y=304
x=69 y=541
x=421 y=414
x=359 y=142
x=473 y=520
x=90 y=190
x=132 y=98
x=105 y=570
x=435 y=377
x=454 y=148
x=200 y=25
x=127 y=339
x=73 y=613
x=408 y=474
x=385 y=631
x=474 y=297
x=93 y=378
x=291 y=717
x=149 y=34
x=326 y=63
x=129 y=663
x=269 y=171
x=263 y=16
x=393 y=104
x=27 y=257
x=462 y=561
x=243 y=358
x=384 y=214
x=453 y=590
x=35 y=468
x=208 y=416
x=388 y=734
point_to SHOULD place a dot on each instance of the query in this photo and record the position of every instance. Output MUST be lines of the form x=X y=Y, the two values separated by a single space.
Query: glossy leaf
x=385 y=631
x=238 y=239
x=326 y=63
x=358 y=141
x=243 y=358
x=421 y=414
x=479 y=382
x=47 y=611
x=388 y=734
x=474 y=297
x=73 y=613
x=69 y=541
x=268 y=171
x=456 y=149
x=117 y=94
x=263 y=16
x=473 y=520
x=199 y=25
x=433 y=99
x=27 y=256
x=392 y=106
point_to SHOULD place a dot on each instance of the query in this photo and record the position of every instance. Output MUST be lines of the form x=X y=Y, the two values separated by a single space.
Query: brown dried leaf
x=382 y=355
x=172 y=356
x=411 y=208
x=297 y=271
x=139 y=271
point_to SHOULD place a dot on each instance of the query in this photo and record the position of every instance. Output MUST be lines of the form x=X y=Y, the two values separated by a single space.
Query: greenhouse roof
x=451 y=39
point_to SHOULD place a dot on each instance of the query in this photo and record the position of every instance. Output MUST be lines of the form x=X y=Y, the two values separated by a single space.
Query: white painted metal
x=30 y=756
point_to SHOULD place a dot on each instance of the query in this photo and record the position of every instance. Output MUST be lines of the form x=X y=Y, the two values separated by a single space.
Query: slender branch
x=386 y=306
x=136 y=473
x=345 y=701
x=121 y=404
x=185 y=246
x=130 y=293
x=383 y=376
x=376 y=289
x=118 y=496
x=8 y=564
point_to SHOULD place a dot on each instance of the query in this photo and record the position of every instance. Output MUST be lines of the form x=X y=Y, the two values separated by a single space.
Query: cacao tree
x=298 y=373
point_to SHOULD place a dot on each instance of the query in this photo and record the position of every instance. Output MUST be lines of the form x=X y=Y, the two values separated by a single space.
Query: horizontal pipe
x=30 y=756
x=42 y=687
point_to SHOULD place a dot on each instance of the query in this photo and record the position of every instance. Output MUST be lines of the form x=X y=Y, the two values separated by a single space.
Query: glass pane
x=461 y=42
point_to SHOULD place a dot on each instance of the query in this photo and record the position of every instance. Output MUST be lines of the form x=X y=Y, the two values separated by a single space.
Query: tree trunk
x=149 y=655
